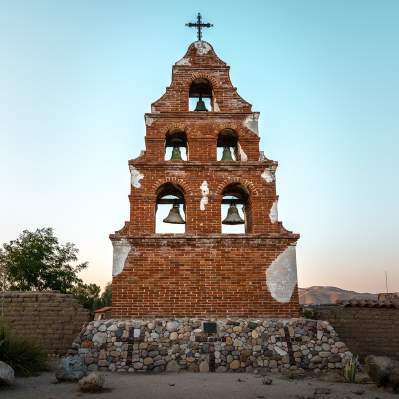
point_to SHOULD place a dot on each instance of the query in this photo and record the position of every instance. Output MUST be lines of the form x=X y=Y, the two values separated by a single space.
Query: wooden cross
x=199 y=25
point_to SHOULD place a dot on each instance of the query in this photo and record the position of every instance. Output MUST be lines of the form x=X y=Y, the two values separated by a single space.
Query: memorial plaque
x=210 y=327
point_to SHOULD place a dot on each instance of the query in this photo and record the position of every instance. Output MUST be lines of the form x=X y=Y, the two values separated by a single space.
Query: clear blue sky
x=77 y=76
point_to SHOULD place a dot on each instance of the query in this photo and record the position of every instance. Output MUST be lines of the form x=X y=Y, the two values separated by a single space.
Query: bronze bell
x=174 y=216
x=200 y=105
x=233 y=217
x=227 y=154
x=176 y=154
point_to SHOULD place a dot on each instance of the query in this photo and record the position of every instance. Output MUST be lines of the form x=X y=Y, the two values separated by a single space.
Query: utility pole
x=386 y=281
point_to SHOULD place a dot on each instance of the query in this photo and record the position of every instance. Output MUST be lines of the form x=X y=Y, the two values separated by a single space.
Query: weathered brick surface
x=201 y=276
x=365 y=330
x=200 y=65
x=189 y=178
x=202 y=272
x=51 y=319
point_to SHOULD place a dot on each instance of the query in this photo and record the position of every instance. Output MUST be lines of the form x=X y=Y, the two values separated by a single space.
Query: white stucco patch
x=202 y=47
x=121 y=251
x=269 y=174
x=262 y=156
x=183 y=61
x=205 y=193
x=215 y=106
x=281 y=276
x=273 y=214
x=243 y=155
x=251 y=122
x=148 y=120
x=135 y=177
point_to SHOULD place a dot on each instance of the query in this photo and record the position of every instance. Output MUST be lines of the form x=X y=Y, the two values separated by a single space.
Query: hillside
x=317 y=295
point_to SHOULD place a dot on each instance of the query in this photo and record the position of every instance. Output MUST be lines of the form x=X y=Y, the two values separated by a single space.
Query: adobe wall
x=365 y=330
x=51 y=319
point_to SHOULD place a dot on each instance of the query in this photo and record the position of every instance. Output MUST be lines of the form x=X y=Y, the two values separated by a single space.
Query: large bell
x=233 y=217
x=227 y=154
x=176 y=154
x=200 y=105
x=174 y=216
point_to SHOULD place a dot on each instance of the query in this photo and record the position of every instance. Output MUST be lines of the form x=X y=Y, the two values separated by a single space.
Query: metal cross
x=199 y=25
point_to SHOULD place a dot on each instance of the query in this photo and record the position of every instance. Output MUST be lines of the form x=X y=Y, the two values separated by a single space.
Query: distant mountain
x=317 y=295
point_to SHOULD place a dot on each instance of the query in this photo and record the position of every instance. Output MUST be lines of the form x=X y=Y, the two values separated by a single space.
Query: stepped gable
x=201 y=61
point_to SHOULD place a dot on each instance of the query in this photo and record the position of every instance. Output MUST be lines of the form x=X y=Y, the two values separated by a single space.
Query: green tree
x=106 y=296
x=88 y=295
x=3 y=274
x=37 y=261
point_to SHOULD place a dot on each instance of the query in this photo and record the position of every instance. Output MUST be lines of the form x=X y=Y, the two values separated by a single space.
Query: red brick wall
x=189 y=179
x=204 y=272
x=207 y=66
x=198 y=276
x=202 y=130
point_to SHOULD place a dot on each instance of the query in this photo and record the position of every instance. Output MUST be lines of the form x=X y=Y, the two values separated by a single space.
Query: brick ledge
x=263 y=236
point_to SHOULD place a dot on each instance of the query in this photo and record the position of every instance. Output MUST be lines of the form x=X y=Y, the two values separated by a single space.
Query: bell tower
x=229 y=255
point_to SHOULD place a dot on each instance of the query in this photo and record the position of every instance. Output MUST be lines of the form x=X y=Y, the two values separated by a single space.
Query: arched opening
x=200 y=95
x=176 y=146
x=235 y=210
x=170 y=210
x=227 y=145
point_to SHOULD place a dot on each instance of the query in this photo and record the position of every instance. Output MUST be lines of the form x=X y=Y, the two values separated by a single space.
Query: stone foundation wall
x=239 y=345
x=49 y=318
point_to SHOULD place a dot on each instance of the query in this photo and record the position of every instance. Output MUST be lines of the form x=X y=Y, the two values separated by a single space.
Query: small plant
x=308 y=313
x=350 y=369
x=24 y=356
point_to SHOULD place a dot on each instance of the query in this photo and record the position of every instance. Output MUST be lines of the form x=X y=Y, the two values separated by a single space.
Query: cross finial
x=199 y=25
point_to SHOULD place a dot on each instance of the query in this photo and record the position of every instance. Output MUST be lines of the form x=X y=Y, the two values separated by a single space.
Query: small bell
x=200 y=105
x=174 y=216
x=233 y=217
x=227 y=154
x=176 y=154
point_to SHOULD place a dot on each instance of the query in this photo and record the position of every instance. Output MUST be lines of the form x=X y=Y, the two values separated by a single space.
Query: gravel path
x=193 y=386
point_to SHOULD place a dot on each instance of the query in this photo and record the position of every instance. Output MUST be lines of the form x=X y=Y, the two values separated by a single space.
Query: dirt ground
x=195 y=386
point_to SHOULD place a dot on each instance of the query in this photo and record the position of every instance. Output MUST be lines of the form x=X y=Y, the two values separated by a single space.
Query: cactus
x=350 y=369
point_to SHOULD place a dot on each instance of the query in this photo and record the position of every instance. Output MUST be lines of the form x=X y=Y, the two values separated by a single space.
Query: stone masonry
x=155 y=345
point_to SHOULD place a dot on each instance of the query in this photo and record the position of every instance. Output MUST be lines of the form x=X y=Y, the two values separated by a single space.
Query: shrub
x=24 y=356
x=350 y=369
x=308 y=313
